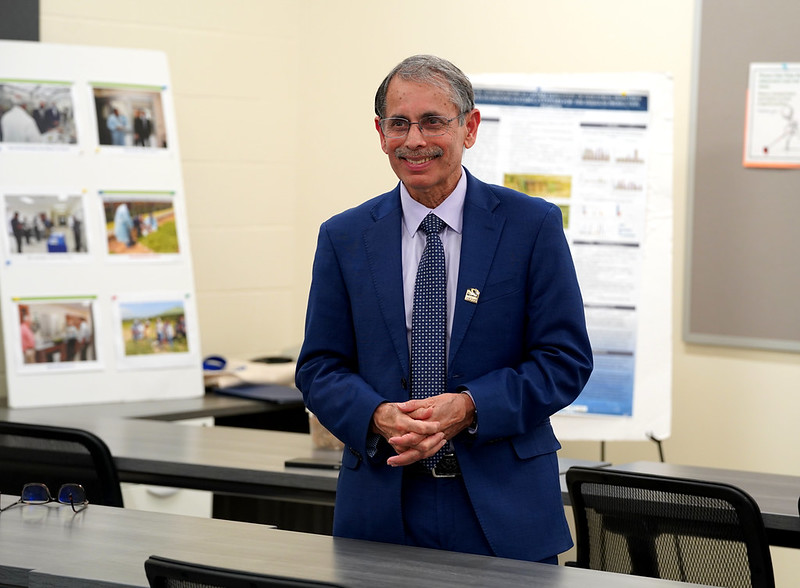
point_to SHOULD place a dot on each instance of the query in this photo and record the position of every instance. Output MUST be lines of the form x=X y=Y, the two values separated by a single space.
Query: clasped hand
x=417 y=429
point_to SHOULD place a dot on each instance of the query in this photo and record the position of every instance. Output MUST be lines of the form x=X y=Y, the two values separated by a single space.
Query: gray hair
x=429 y=69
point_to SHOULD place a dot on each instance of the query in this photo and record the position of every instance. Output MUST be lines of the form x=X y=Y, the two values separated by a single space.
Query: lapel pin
x=472 y=295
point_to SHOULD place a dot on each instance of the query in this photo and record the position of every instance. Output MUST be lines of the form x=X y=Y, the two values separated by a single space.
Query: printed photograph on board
x=56 y=331
x=151 y=327
x=130 y=117
x=47 y=225
x=36 y=112
x=140 y=224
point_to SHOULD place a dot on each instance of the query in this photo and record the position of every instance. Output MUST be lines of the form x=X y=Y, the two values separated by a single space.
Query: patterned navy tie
x=429 y=321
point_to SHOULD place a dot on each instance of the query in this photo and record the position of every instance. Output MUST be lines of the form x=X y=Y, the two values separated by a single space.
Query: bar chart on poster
x=96 y=285
x=598 y=146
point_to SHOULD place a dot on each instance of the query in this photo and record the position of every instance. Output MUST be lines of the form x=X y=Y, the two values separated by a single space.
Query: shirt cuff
x=372 y=444
x=473 y=428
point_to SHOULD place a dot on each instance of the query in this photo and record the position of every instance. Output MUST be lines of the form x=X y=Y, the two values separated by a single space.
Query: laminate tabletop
x=49 y=545
x=149 y=448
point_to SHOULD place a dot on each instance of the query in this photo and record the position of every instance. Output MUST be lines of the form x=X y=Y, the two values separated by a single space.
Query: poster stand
x=96 y=285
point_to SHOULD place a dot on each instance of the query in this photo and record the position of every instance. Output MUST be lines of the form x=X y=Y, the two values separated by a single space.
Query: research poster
x=600 y=148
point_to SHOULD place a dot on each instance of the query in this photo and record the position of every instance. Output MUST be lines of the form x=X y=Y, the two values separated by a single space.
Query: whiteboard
x=96 y=285
x=741 y=278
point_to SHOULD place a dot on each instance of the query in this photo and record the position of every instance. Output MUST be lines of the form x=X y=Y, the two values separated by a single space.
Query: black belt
x=446 y=468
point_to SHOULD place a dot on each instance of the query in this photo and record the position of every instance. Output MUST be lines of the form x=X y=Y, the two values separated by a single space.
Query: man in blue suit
x=517 y=347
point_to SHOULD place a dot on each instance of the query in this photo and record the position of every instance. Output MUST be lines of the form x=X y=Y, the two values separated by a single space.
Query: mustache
x=404 y=153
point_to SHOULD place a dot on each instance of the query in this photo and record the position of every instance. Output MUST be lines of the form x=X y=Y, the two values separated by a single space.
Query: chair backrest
x=163 y=572
x=54 y=456
x=671 y=528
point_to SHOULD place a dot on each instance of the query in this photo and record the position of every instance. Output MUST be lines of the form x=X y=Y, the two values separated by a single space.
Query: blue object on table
x=214 y=363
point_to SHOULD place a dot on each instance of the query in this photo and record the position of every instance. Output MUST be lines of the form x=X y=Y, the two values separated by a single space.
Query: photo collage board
x=97 y=298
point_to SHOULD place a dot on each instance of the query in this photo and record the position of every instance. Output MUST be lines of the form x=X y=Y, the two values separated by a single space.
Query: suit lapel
x=481 y=234
x=382 y=241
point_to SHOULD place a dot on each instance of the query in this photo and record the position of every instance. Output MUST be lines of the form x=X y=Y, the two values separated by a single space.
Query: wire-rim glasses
x=37 y=493
x=395 y=127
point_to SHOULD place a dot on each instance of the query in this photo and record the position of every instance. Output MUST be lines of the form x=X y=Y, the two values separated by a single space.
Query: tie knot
x=431 y=224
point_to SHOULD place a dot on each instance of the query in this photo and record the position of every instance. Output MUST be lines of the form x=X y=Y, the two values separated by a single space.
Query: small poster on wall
x=772 y=126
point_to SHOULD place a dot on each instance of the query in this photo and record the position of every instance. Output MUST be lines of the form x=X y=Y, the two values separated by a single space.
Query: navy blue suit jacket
x=522 y=351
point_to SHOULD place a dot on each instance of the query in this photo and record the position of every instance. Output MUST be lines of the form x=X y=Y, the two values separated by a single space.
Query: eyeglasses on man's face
x=430 y=126
x=72 y=494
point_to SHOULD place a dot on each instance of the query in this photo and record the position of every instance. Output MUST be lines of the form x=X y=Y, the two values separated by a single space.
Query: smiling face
x=430 y=167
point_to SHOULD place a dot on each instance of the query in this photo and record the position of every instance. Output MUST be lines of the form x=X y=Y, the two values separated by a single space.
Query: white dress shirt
x=451 y=211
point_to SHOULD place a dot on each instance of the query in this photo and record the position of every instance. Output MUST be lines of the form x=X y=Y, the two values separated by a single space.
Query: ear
x=472 y=122
x=380 y=134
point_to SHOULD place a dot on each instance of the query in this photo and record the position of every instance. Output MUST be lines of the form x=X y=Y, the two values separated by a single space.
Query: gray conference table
x=776 y=495
x=49 y=545
x=149 y=448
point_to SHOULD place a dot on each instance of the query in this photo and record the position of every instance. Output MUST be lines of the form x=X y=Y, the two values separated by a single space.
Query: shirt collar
x=451 y=210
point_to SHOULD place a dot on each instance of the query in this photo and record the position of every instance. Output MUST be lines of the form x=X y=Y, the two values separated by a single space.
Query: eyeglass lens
x=73 y=494
x=35 y=494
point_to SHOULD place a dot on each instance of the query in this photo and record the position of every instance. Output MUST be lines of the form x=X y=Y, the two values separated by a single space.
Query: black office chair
x=163 y=572
x=662 y=527
x=55 y=456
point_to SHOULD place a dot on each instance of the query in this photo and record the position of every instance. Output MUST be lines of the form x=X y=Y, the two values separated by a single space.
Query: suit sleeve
x=327 y=366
